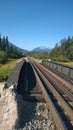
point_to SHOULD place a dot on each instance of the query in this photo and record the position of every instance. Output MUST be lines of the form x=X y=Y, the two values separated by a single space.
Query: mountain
x=41 y=49
x=24 y=50
x=37 y=49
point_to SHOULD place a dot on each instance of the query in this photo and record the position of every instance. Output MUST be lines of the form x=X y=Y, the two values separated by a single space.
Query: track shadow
x=25 y=107
x=21 y=80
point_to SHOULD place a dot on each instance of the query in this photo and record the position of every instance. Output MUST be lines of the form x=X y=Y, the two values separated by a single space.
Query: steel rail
x=57 y=84
x=59 y=122
x=65 y=106
x=66 y=84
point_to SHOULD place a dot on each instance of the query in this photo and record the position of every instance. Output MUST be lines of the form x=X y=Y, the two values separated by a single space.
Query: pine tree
x=0 y=42
x=6 y=40
x=3 y=43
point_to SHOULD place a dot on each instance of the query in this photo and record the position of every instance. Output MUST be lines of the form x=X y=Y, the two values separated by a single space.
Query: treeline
x=39 y=55
x=63 y=51
x=8 y=50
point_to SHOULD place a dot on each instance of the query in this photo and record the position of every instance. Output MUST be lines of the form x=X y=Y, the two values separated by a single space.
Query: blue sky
x=33 y=23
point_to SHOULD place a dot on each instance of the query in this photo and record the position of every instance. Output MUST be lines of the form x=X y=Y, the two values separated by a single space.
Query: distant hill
x=24 y=50
x=41 y=49
x=37 y=49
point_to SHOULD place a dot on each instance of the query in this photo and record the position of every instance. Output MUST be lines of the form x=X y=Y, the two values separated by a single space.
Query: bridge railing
x=66 y=70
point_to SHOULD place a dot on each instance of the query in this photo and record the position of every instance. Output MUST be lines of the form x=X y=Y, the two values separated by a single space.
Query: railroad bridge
x=40 y=83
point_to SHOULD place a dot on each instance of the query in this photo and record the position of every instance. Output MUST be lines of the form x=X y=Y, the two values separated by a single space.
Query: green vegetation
x=63 y=52
x=8 y=50
x=9 y=54
x=67 y=63
x=39 y=55
x=5 y=69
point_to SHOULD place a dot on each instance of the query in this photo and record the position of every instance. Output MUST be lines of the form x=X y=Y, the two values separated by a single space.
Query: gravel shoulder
x=8 y=108
x=17 y=114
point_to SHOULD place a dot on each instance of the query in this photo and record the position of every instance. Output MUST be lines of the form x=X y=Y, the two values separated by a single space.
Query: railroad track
x=36 y=83
x=56 y=95
x=64 y=88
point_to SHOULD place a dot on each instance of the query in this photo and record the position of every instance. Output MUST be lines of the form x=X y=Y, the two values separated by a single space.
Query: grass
x=5 y=69
x=68 y=63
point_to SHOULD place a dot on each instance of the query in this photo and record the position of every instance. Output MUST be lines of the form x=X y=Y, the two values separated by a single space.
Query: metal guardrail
x=66 y=70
